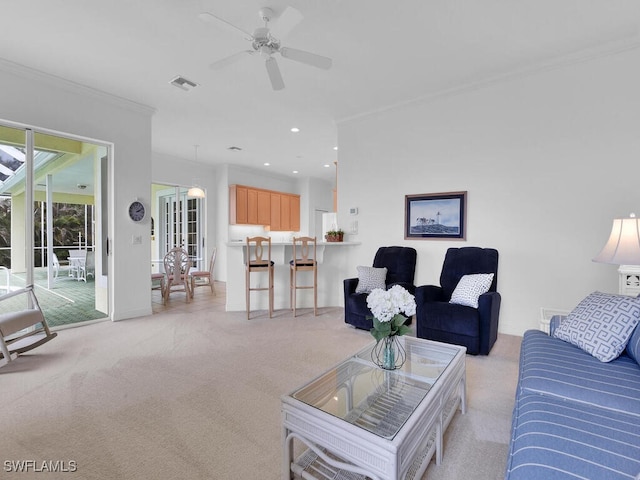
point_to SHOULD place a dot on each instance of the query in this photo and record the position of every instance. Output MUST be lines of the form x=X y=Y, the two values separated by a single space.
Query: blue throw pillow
x=633 y=347
x=601 y=324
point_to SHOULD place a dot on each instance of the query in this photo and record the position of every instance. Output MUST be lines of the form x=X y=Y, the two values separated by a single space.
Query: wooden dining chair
x=202 y=278
x=158 y=282
x=176 y=267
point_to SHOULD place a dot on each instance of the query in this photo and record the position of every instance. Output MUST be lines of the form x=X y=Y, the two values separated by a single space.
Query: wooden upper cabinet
x=285 y=212
x=238 y=211
x=289 y=219
x=295 y=213
x=252 y=206
x=255 y=206
x=264 y=207
x=276 y=224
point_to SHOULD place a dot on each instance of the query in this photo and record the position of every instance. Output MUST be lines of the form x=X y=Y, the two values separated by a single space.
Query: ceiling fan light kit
x=264 y=43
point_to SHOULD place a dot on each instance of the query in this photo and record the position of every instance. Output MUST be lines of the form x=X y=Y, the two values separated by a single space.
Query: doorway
x=177 y=221
x=52 y=233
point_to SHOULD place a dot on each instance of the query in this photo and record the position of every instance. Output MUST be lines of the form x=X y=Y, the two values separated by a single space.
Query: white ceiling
x=384 y=53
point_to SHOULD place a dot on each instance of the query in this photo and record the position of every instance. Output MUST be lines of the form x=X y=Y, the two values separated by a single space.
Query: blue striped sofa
x=575 y=417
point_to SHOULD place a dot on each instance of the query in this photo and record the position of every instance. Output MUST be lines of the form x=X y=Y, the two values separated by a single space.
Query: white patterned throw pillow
x=370 y=278
x=470 y=287
x=601 y=324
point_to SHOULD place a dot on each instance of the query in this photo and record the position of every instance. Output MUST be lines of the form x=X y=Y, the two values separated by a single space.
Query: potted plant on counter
x=334 y=236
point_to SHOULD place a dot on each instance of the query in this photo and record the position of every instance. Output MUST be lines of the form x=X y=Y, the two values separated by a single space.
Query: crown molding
x=608 y=49
x=71 y=86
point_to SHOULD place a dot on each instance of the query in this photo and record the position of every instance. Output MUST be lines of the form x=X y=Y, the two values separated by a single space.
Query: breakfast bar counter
x=332 y=269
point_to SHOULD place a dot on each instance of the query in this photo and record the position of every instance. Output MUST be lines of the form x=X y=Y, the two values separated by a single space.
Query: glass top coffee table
x=358 y=421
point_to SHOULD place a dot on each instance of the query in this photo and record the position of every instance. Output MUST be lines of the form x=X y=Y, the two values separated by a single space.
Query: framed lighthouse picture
x=435 y=216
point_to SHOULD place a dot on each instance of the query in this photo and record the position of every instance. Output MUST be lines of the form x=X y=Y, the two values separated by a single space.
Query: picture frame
x=435 y=216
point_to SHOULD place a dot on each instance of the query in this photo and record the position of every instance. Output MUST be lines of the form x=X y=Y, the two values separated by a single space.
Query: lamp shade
x=623 y=246
x=195 y=192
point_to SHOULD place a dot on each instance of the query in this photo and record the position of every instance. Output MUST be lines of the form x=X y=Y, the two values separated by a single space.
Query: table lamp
x=623 y=248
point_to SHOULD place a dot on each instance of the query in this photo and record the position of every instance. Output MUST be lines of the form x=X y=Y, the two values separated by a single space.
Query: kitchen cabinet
x=275 y=222
x=238 y=205
x=255 y=206
x=264 y=207
x=252 y=206
x=295 y=213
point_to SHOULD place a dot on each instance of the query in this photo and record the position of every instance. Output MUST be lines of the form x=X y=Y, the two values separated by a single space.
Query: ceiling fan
x=266 y=45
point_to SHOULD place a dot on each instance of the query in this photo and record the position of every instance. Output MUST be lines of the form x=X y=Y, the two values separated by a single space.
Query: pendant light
x=195 y=191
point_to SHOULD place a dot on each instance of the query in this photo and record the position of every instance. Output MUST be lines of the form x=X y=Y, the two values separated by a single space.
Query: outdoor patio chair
x=56 y=266
x=77 y=264
x=88 y=269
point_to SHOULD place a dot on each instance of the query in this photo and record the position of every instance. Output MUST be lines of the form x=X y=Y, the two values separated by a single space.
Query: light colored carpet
x=194 y=393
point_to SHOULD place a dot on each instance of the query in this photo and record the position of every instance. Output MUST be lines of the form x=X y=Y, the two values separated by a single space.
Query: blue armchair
x=401 y=267
x=437 y=319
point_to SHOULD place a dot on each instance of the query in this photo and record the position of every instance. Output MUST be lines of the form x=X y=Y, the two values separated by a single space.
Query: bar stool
x=304 y=259
x=255 y=263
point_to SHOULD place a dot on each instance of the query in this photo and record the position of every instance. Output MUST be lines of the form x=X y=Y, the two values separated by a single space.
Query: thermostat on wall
x=353 y=211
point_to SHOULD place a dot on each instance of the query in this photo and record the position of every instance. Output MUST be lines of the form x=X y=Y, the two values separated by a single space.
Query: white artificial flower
x=380 y=304
x=385 y=304
x=404 y=301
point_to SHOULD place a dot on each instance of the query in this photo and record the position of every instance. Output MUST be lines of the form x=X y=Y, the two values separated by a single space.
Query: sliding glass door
x=52 y=233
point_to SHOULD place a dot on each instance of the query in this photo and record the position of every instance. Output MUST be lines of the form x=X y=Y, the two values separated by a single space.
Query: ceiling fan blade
x=274 y=73
x=286 y=22
x=211 y=18
x=306 y=57
x=231 y=59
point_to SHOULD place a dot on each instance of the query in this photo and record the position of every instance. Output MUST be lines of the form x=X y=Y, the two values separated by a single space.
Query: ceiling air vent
x=183 y=83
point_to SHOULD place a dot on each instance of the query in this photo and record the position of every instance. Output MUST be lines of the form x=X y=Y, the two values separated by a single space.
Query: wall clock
x=137 y=211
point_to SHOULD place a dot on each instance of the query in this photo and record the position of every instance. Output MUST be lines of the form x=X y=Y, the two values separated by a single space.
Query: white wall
x=46 y=102
x=318 y=196
x=548 y=161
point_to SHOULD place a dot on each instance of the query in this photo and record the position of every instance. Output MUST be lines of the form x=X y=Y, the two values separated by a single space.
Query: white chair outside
x=89 y=268
x=77 y=264
x=56 y=266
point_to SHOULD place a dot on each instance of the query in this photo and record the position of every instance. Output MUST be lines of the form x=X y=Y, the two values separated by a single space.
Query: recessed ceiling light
x=295 y=171
x=335 y=148
x=266 y=164
x=295 y=129
x=326 y=165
